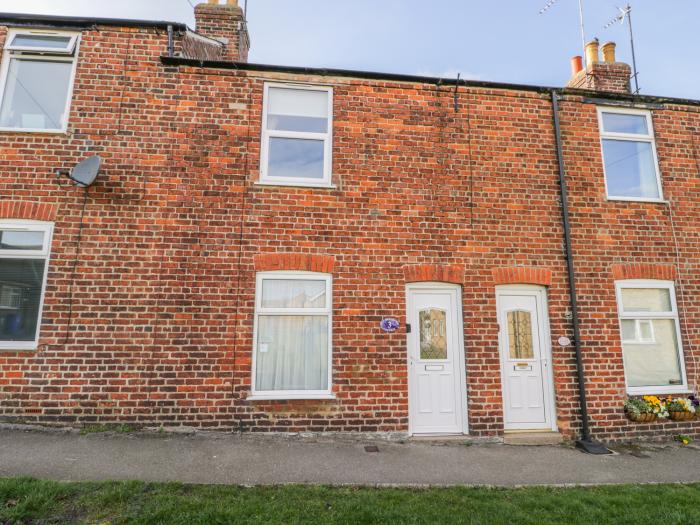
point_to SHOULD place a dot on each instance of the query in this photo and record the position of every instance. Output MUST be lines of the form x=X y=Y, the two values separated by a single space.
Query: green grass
x=96 y=429
x=29 y=501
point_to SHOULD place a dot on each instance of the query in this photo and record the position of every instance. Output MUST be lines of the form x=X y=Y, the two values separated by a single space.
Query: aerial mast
x=626 y=13
x=550 y=3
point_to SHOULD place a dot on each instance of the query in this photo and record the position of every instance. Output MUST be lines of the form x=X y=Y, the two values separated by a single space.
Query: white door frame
x=460 y=361
x=540 y=294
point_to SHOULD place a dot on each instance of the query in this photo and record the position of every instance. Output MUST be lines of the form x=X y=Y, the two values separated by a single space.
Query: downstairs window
x=24 y=254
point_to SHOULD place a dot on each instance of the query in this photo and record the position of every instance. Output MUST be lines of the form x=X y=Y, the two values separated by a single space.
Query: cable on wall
x=241 y=226
x=681 y=288
x=74 y=269
x=470 y=165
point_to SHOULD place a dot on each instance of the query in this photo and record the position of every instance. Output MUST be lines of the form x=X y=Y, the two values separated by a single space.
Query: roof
x=82 y=21
x=73 y=21
x=593 y=96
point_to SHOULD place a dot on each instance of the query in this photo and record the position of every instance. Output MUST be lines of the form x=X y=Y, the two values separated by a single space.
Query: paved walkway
x=251 y=459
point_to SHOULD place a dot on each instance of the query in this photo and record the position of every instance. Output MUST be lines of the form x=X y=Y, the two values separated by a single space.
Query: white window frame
x=632 y=137
x=68 y=50
x=259 y=310
x=672 y=315
x=70 y=54
x=327 y=138
x=45 y=254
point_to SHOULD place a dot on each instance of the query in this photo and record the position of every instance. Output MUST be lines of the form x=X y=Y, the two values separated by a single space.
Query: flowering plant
x=680 y=404
x=683 y=439
x=658 y=407
x=635 y=408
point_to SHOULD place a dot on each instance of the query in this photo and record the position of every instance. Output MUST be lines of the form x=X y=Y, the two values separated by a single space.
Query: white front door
x=437 y=390
x=524 y=352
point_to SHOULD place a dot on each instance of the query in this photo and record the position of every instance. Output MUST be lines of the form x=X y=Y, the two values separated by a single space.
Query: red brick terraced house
x=279 y=249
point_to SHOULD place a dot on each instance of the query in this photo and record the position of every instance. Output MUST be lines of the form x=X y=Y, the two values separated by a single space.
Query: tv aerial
x=626 y=14
x=85 y=172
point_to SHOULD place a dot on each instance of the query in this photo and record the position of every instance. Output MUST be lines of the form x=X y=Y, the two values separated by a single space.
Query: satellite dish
x=85 y=172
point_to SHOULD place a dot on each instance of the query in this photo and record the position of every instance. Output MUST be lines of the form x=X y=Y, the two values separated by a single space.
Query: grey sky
x=499 y=40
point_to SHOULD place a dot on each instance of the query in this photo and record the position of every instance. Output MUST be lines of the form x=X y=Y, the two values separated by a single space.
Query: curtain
x=292 y=352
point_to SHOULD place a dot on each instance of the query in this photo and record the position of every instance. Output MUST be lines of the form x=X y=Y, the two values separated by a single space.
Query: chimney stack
x=225 y=23
x=609 y=75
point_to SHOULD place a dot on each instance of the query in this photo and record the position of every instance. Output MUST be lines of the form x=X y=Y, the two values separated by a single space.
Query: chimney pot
x=576 y=65
x=592 y=52
x=608 y=52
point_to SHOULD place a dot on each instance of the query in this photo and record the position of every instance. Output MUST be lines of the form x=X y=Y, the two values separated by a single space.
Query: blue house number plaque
x=389 y=324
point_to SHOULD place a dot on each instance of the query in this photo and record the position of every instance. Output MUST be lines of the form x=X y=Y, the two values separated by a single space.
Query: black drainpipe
x=585 y=442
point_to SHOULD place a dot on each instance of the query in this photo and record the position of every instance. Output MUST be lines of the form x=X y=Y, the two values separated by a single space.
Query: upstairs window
x=296 y=138
x=36 y=80
x=629 y=155
x=24 y=253
x=650 y=334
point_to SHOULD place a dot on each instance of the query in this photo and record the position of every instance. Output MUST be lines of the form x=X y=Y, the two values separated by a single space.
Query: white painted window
x=24 y=260
x=292 y=339
x=651 y=338
x=296 y=138
x=36 y=80
x=629 y=155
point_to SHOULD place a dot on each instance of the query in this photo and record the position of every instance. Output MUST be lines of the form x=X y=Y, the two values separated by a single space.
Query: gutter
x=585 y=443
x=22 y=19
x=620 y=99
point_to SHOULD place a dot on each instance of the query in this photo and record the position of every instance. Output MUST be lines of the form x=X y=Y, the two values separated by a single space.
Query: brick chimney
x=609 y=75
x=225 y=23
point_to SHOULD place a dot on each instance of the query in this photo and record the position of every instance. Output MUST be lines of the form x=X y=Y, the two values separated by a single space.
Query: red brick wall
x=618 y=239
x=175 y=229
x=603 y=76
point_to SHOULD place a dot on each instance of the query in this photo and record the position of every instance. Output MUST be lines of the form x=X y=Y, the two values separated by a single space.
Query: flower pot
x=642 y=418
x=681 y=416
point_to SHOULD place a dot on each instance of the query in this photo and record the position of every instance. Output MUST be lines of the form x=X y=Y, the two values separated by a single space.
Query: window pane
x=520 y=335
x=42 y=41
x=646 y=300
x=297 y=110
x=630 y=169
x=629 y=330
x=292 y=353
x=622 y=123
x=292 y=123
x=21 y=240
x=35 y=94
x=654 y=363
x=433 y=334
x=297 y=158
x=20 y=295
x=287 y=293
x=646 y=332
x=299 y=102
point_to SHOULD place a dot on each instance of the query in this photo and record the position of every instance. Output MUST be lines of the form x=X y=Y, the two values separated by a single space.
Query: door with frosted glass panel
x=436 y=382
x=524 y=361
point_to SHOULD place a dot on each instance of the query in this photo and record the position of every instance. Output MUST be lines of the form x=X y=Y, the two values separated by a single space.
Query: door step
x=532 y=438
x=439 y=437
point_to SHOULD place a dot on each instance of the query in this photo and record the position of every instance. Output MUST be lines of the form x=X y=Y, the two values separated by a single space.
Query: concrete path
x=251 y=460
